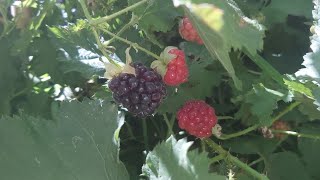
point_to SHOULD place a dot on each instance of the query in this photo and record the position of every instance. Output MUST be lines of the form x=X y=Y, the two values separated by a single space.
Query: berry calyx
x=172 y=66
x=141 y=93
x=188 y=32
x=197 y=118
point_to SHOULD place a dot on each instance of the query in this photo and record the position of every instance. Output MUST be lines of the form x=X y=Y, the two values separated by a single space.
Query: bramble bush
x=159 y=89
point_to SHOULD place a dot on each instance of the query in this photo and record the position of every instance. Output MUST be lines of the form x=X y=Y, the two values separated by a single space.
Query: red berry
x=197 y=118
x=172 y=66
x=188 y=32
x=177 y=69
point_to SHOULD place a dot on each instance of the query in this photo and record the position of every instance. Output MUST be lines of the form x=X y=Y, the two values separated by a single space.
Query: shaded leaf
x=286 y=166
x=79 y=144
x=171 y=160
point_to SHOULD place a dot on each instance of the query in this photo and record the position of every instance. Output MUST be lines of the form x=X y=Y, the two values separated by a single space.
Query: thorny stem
x=292 y=133
x=235 y=160
x=217 y=158
x=134 y=45
x=125 y=10
x=252 y=128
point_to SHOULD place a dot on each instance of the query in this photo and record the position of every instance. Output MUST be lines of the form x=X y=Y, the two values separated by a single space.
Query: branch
x=252 y=128
x=235 y=160
x=125 y=10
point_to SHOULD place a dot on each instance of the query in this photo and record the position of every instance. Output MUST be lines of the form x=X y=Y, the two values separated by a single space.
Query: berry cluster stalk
x=234 y=160
x=254 y=127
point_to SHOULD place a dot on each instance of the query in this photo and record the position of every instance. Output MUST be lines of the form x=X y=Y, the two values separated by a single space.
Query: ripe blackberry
x=142 y=93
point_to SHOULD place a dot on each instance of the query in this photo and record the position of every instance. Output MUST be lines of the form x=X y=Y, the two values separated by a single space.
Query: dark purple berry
x=140 y=94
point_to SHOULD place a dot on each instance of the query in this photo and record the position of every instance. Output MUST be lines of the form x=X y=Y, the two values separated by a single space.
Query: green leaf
x=312 y=59
x=309 y=149
x=171 y=160
x=273 y=12
x=72 y=36
x=156 y=16
x=278 y=11
x=286 y=166
x=222 y=26
x=9 y=73
x=202 y=80
x=251 y=145
x=79 y=144
x=263 y=101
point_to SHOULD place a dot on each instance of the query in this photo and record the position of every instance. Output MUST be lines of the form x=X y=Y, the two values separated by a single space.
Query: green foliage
x=72 y=146
x=285 y=166
x=156 y=15
x=212 y=23
x=263 y=101
x=171 y=160
x=309 y=150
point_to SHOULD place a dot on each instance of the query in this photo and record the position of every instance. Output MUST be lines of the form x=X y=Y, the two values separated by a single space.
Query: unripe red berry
x=197 y=118
x=188 y=32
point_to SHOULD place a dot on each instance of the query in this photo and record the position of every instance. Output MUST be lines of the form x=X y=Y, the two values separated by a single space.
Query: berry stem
x=217 y=158
x=292 y=133
x=133 y=20
x=85 y=10
x=255 y=161
x=254 y=127
x=134 y=45
x=95 y=33
x=101 y=47
x=169 y=125
x=236 y=161
x=125 y=10
x=145 y=133
x=224 y=117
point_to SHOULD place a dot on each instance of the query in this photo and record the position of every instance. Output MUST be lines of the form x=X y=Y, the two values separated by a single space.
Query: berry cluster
x=177 y=69
x=142 y=93
x=188 y=32
x=197 y=118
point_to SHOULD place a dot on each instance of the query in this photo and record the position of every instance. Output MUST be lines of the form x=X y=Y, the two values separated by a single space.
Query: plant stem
x=225 y=117
x=252 y=128
x=145 y=133
x=255 y=161
x=168 y=124
x=285 y=111
x=134 y=45
x=235 y=160
x=292 y=133
x=109 y=17
x=265 y=66
x=101 y=47
x=85 y=10
x=133 y=20
x=217 y=158
x=240 y=133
